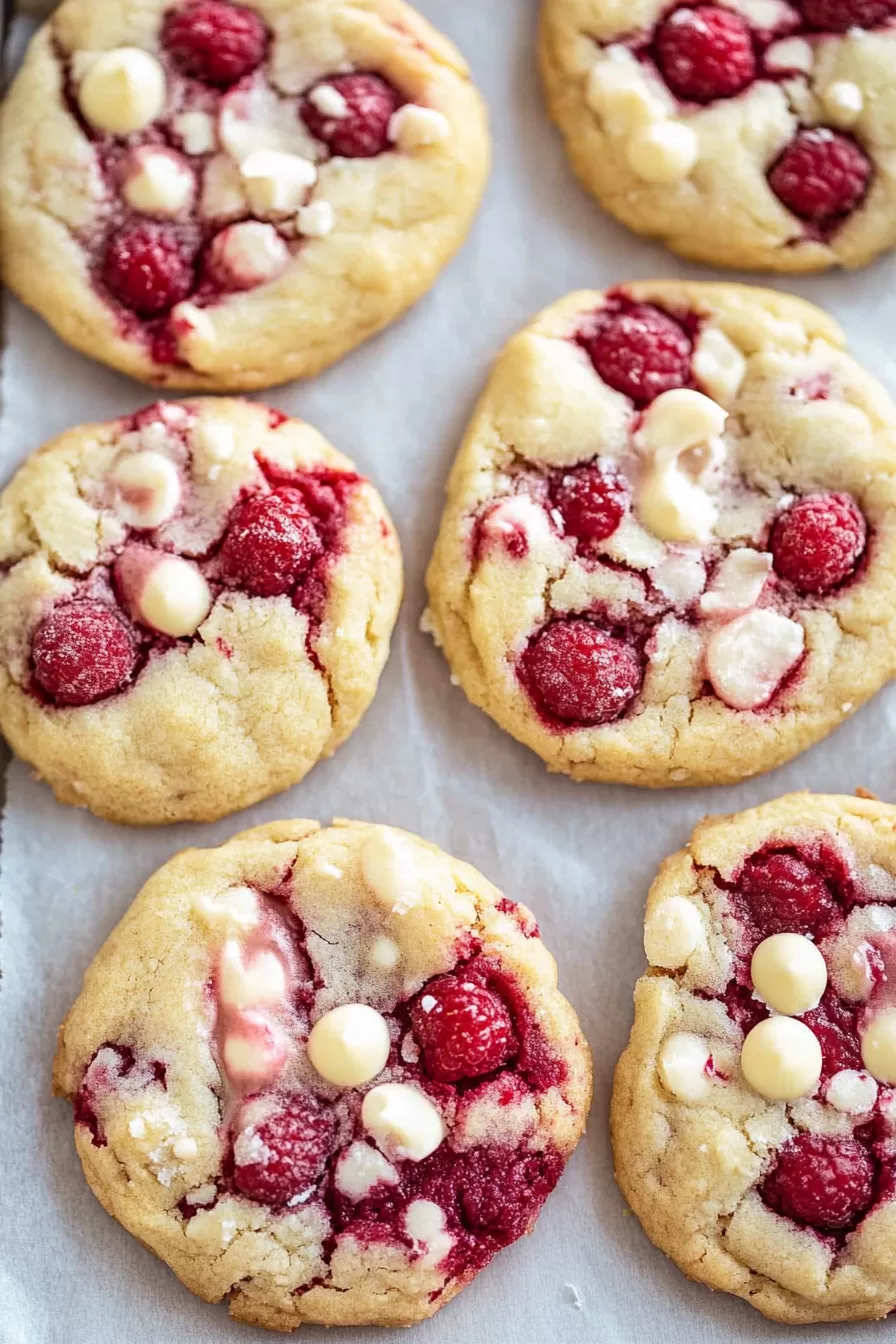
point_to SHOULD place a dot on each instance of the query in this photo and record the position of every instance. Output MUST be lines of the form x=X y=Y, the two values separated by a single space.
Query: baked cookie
x=669 y=550
x=195 y=607
x=353 y=1084
x=222 y=196
x=755 y=134
x=754 y=1111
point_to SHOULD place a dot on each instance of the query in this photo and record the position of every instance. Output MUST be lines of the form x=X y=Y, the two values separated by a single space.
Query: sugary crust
x=147 y=988
x=724 y=212
x=545 y=405
x=399 y=217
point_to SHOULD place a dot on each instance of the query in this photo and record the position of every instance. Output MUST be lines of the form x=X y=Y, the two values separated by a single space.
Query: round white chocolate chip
x=844 y=102
x=123 y=91
x=196 y=131
x=852 y=1092
x=662 y=151
x=147 y=489
x=402 y=1121
x=160 y=183
x=682 y=1066
x=175 y=598
x=276 y=183
x=261 y=980
x=249 y=254
x=384 y=953
x=349 y=1045
x=781 y=1059
x=879 y=1046
x=748 y=658
x=672 y=932
x=789 y=973
x=414 y=127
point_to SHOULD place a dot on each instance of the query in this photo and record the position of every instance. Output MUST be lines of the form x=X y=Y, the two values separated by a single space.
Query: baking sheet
x=581 y=856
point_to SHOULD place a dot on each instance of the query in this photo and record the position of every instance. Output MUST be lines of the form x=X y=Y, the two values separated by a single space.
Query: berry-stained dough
x=221 y=196
x=669 y=547
x=325 y=1074
x=754 y=1111
x=758 y=134
x=195 y=607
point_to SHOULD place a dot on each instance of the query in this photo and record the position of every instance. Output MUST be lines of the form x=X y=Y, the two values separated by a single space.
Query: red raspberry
x=82 y=652
x=838 y=16
x=502 y=1190
x=834 y=1023
x=149 y=268
x=827 y=1183
x=215 y=42
x=463 y=1029
x=785 y=895
x=592 y=500
x=706 y=53
x=580 y=674
x=270 y=544
x=641 y=352
x=364 y=131
x=286 y=1153
x=821 y=175
x=818 y=541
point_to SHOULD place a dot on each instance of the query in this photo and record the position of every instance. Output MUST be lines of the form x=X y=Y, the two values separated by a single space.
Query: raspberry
x=817 y=543
x=838 y=16
x=706 y=53
x=502 y=1190
x=785 y=895
x=364 y=130
x=593 y=502
x=82 y=652
x=285 y=1154
x=834 y=1023
x=641 y=352
x=821 y=176
x=463 y=1029
x=827 y=1183
x=270 y=544
x=149 y=268
x=215 y=42
x=580 y=674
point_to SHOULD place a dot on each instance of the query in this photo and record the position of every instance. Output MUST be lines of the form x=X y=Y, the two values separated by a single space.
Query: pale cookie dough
x=668 y=555
x=758 y=134
x=196 y=603
x=753 y=1113
x=324 y=1074
x=219 y=196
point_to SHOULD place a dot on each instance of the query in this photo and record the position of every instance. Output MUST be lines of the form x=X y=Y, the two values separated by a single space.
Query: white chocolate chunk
x=384 y=953
x=276 y=183
x=402 y=1121
x=680 y=577
x=184 y=1148
x=518 y=514
x=236 y=908
x=223 y=193
x=249 y=254
x=349 y=1045
x=669 y=500
x=672 y=932
x=682 y=1066
x=844 y=102
x=254 y=117
x=414 y=127
x=123 y=91
x=147 y=489
x=175 y=597
x=790 y=54
x=245 y=985
x=781 y=1059
x=789 y=973
x=160 y=183
x=879 y=1046
x=737 y=583
x=360 y=1168
x=215 y=438
x=852 y=1092
x=424 y=1223
x=662 y=151
x=196 y=131
x=390 y=870
x=618 y=91
x=719 y=365
x=679 y=420
x=329 y=102
x=316 y=219
x=254 y=1051
x=192 y=325
x=747 y=658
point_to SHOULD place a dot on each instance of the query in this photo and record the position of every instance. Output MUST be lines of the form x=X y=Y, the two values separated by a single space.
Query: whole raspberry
x=706 y=53
x=580 y=674
x=149 y=268
x=280 y=1158
x=821 y=176
x=593 y=501
x=463 y=1029
x=817 y=543
x=827 y=1183
x=362 y=131
x=838 y=16
x=82 y=652
x=215 y=42
x=641 y=352
x=270 y=544
x=784 y=895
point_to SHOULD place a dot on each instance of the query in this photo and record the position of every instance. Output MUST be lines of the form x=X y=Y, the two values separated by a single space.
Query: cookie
x=354 y=1083
x=220 y=196
x=195 y=607
x=669 y=550
x=754 y=1112
x=755 y=135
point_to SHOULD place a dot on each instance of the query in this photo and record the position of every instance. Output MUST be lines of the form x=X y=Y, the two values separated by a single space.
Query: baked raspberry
x=834 y=1023
x=838 y=16
x=363 y=132
x=82 y=652
x=502 y=1190
x=463 y=1029
x=817 y=543
x=706 y=53
x=784 y=895
x=149 y=268
x=215 y=42
x=280 y=1158
x=580 y=674
x=640 y=351
x=270 y=543
x=593 y=501
x=821 y=176
x=825 y=1182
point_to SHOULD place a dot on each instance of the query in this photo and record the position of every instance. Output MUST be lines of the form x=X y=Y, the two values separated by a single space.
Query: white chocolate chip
x=844 y=102
x=662 y=151
x=789 y=973
x=852 y=1092
x=349 y=1045
x=159 y=183
x=196 y=131
x=518 y=515
x=204 y=1194
x=781 y=1059
x=137 y=1127
x=316 y=219
x=682 y=1066
x=360 y=1168
x=385 y=954
x=237 y=907
x=255 y=117
x=147 y=489
x=618 y=91
x=402 y=1121
x=329 y=102
x=223 y=193
x=790 y=54
x=669 y=501
x=248 y=254
x=390 y=870
x=185 y=1148
x=123 y=91
x=737 y=583
x=672 y=932
x=879 y=1046
x=192 y=324
x=747 y=659
x=424 y=1223
x=175 y=597
x=413 y=127
x=719 y=364
x=254 y=1051
x=215 y=438
x=680 y=576
x=276 y=183
x=245 y=985
x=679 y=420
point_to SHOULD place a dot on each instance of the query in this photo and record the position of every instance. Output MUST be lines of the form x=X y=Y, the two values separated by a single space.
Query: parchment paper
x=582 y=856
